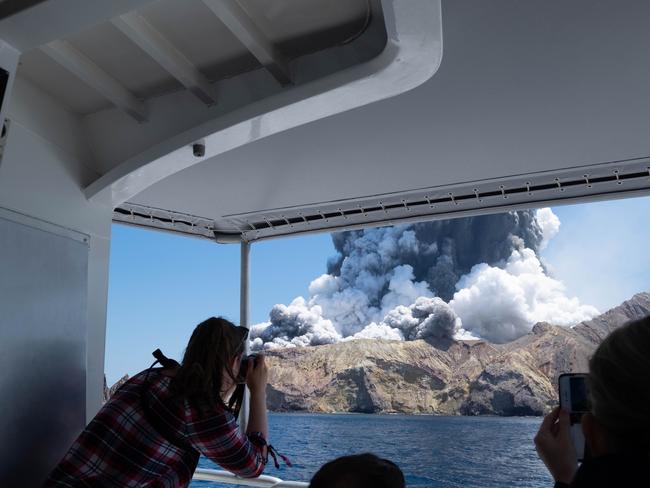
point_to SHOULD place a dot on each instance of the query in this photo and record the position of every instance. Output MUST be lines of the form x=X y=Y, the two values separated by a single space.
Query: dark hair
x=619 y=384
x=214 y=344
x=358 y=471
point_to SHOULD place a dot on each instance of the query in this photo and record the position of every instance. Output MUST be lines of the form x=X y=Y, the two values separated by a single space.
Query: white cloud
x=402 y=289
x=550 y=225
x=502 y=304
x=377 y=331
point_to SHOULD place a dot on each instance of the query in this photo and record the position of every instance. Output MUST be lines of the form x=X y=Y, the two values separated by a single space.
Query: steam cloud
x=476 y=277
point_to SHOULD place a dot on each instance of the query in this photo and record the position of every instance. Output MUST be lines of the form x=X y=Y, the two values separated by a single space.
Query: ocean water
x=445 y=452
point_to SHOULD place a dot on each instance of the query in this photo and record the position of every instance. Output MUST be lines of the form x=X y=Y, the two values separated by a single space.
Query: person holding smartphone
x=616 y=429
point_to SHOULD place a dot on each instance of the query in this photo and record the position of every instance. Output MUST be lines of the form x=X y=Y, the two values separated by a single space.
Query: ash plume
x=439 y=252
x=463 y=278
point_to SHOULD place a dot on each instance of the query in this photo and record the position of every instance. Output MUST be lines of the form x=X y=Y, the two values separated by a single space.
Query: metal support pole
x=243 y=321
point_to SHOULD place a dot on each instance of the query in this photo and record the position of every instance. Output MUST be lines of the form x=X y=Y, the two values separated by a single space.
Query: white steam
x=549 y=224
x=501 y=304
x=393 y=283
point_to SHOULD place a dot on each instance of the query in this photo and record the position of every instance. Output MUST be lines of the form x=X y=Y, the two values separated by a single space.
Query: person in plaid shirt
x=152 y=431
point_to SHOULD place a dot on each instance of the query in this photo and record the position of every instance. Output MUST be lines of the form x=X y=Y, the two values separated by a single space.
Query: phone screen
x=579 y=396
x=574 y=397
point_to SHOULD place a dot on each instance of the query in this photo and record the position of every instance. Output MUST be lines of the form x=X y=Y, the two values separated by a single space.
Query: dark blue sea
x=445 y=452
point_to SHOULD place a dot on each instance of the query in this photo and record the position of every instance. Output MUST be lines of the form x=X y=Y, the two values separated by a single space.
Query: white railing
x=264 y=481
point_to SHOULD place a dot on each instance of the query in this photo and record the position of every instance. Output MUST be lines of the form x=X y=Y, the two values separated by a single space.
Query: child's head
x=358 y=471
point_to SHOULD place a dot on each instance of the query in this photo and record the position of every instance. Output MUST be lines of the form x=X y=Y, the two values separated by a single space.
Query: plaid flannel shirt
x=121 y=448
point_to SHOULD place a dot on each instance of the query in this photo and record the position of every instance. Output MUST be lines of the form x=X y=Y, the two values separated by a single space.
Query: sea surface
x=445 y=452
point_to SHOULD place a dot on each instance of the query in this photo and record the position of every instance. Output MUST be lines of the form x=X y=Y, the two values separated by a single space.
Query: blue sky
x=161 y=285
x=601 y=252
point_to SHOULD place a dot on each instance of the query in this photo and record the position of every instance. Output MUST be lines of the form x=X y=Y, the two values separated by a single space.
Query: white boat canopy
x=534 y=103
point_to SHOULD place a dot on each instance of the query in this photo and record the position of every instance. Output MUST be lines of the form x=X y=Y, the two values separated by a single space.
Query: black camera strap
x=236 y=399
x=164 y=361
x=159 y=426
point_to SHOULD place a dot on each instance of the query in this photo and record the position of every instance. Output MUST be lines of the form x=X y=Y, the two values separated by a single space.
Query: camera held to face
x=247 y=363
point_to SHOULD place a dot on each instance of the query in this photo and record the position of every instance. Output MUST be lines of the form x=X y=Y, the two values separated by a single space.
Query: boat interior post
x=243 y=120
x=244 y=313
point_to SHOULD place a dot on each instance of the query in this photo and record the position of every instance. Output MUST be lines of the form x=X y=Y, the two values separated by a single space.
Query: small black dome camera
x=198 y=149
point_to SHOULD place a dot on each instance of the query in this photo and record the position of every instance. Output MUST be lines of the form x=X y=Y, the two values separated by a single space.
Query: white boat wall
x=241 y=120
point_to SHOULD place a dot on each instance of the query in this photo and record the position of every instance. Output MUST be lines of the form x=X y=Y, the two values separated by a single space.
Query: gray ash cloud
x=439 y=252
x=463 y=278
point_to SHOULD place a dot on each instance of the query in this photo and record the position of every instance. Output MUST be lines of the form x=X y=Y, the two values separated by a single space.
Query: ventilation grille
x=143 y=216
x=431 y=203
x=614 y=180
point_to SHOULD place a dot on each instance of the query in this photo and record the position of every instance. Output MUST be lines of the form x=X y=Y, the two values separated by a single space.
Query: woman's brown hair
x=214 y=344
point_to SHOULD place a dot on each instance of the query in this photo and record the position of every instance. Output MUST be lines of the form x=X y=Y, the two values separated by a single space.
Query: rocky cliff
x=444 y=377
x=108 y=392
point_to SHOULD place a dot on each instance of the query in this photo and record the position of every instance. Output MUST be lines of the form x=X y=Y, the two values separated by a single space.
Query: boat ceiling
x=296 y=27
x=534 y=103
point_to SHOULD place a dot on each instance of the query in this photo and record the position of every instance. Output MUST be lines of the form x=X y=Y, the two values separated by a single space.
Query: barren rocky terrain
x=444 y=377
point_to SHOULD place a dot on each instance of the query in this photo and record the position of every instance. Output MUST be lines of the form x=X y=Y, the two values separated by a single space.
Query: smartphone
x=574 y=398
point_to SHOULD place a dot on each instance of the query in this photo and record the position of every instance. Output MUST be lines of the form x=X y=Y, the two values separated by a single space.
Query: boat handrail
x=230 y=478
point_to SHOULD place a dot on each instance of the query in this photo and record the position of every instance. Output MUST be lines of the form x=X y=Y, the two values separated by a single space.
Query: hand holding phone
x=554 y=446
x=574 y=398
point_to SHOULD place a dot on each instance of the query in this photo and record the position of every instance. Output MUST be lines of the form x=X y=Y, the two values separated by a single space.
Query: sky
x=162 y=285
x=601 y=252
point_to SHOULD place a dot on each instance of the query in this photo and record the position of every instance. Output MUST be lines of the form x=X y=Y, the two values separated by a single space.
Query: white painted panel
x=42 y=175
x=43 y=298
